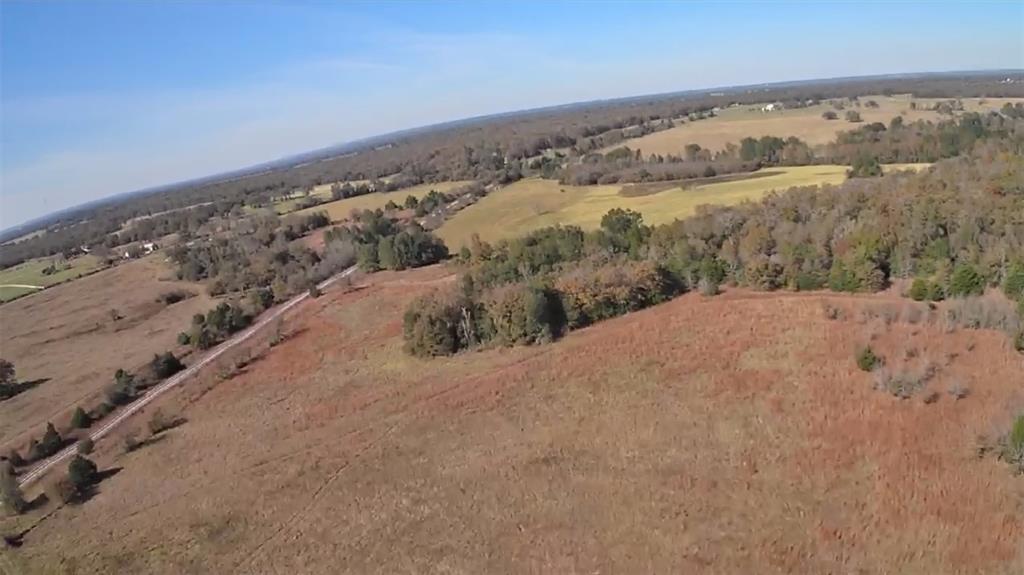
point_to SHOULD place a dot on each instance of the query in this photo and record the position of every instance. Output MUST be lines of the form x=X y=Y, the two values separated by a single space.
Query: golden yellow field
x=341 y=209
x=733 y=124
x=535 y=203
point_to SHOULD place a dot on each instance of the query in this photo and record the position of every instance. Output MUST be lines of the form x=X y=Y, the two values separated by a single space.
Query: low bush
x=165 y=365
x=984 y=313
x=867 y=360
x=522 y=314
x=966 y=281
x=82 y=476
x=174 y=296
x=131 y=441
x=85 y=446
x=80 y=419
x=160 y=421
x=1012 y=449
x=591 y=294
x=11 y=497
x=48 y=445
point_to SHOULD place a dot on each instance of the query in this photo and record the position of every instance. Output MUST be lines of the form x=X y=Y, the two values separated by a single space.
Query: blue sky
x=99 y=98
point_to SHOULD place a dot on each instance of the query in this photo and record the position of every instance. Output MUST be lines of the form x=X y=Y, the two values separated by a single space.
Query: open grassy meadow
x=733 y=124
x=535 y=203
x=732 y=434
x=340 y=209
x=20 y=279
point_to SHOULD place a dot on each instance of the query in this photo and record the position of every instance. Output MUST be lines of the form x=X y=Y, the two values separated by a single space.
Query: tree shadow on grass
x=10 y=390
x=91 y=491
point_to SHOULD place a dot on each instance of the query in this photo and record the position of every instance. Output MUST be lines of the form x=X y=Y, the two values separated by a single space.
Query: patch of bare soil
x=729 y=435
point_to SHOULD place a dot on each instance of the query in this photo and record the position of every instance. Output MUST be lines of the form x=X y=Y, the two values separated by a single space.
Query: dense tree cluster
x=258 y=252
x=218 y=323
x=534 y=288
x=955 y=228
x=381 y=242
x=923 y=141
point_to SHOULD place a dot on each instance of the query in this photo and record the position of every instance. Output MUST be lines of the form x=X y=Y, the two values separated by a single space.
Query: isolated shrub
x=49 y=444
x=314 y=291
x=160 y=421
x=830 y=115
x=958 y=389
x=852 y=116
x=903 y=383
x=131 y=441
x=85 y=446
x=80 y=419
x=174 y=296
x=184 y=338
x=966 y=281
x=867 y=360
x=11 y=497
x=165 y=365
x=82 y=473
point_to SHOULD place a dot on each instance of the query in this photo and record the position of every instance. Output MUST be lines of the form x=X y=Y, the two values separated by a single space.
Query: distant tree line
x=492 y=150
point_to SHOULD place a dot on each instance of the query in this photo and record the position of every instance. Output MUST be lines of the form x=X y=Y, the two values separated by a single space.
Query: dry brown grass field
x=726 y=435
x=67 y=336
x=734 y=124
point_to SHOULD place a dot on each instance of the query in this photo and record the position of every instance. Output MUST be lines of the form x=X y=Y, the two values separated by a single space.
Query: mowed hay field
x=67 y=336
x=733 y=124
x=341 y=209
x=728 y=435
x=14 y=279
x=531 y=204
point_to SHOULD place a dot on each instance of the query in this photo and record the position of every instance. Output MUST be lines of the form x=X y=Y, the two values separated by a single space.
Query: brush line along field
x=733 y=124
x=340 y=209
x=532 y=204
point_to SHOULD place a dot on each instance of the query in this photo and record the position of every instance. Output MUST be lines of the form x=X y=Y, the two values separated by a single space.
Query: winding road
x=156 y=391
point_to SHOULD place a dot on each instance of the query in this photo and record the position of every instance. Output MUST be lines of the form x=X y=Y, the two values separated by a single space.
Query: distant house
x=138 y=250
x=773 y=107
